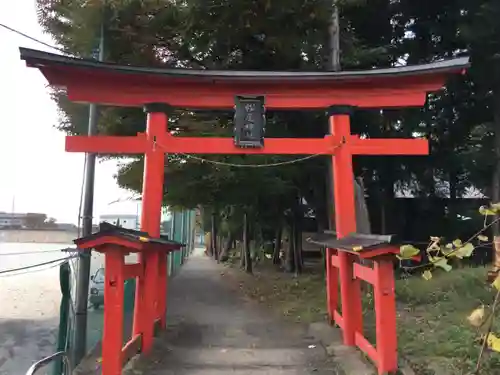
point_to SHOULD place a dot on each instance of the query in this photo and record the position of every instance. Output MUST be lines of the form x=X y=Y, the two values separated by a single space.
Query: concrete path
x=214 y=331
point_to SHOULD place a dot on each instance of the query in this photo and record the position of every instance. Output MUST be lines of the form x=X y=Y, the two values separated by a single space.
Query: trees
x=293 y=35
x=34 y=220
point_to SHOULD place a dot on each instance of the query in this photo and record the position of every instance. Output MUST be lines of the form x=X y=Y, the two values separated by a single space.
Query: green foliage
x=459 y=121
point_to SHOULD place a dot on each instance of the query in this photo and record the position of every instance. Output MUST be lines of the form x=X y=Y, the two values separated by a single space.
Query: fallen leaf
x=493 y=342
x=427 y=275
x=476 y=318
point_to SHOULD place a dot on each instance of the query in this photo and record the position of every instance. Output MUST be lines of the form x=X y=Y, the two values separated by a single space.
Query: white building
x=11 y=220
x=126 y=221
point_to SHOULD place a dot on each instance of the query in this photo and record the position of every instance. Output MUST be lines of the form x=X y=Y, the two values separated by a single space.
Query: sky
x=37 y=175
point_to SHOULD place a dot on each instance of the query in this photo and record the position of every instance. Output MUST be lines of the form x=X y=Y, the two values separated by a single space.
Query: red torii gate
x=110 y=84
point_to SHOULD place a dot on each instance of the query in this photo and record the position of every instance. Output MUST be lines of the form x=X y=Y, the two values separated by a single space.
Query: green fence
x=180 y=228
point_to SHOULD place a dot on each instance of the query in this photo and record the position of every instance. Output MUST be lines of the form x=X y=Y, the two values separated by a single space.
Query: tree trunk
x=246 y=245
x=289 y=253
x=452 y=205
x=242 y=255
x=495 y=190
x=277 y=245
x=215 y=252
x=208 y=243
x=297 y=247
x=224 y=255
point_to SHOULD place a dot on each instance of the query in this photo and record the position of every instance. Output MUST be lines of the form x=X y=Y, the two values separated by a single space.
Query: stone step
x=231 y=357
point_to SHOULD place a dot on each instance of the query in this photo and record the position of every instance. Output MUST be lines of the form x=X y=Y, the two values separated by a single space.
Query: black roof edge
x=135 y=235
x=41 y=58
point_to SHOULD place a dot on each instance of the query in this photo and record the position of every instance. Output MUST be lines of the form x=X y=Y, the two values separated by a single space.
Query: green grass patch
x=433 y=331
x=432 y=320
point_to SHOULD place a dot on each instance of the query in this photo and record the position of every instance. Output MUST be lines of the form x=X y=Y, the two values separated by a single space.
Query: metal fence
x=60 y=360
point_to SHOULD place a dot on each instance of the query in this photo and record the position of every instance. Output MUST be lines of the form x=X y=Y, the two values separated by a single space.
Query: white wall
x=127 y=222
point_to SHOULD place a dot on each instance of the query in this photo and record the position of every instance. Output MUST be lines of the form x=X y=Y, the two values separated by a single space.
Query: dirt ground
x=29 y=318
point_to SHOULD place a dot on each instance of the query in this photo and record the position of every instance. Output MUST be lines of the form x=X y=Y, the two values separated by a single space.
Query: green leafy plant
x=440 y=254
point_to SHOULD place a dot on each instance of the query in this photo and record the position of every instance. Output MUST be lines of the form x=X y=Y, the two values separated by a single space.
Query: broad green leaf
x=408 y=251
x=482 y=238
x=448 y=249
x=465 y=251
x=427 y=275
x=496 y=283
x=457 y=243
x=442 y=263
x=487 y=211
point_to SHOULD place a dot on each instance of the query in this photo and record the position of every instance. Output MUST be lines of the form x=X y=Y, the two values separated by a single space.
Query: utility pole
x=334 y=32
x=361 y=209
x=333 y=65
x=83 y=273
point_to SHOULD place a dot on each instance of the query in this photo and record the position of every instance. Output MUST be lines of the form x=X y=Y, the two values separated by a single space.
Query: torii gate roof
x=89 y=80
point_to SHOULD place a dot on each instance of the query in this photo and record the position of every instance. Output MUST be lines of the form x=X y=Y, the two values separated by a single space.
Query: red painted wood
x=363 y=344
x=112 y=340
x=364 y=273
x=107 y=144
x=385 y=317
x=286 y=100
x=161 y=308
x=131 y=271
x=66 y=75
x=93 y=85
x=332 y=287
x=198 y=145
x=397 y=146
x=381 y=276
x=273 y=146
x=339 y=320
x=101 y=244
x=147 y=290
x=345 y=223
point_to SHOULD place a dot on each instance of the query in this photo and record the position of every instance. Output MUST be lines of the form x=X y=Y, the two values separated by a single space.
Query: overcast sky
x=36 y=173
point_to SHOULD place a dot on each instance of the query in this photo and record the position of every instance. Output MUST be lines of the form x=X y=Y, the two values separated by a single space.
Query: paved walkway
x=214 y=331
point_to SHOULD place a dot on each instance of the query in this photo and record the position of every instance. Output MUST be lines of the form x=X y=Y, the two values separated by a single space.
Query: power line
x=32 y=38
x=82 y=187
x=68 y=250
x=34 y=270
x=12 y=270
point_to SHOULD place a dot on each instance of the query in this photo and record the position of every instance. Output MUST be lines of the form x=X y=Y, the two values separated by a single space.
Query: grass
x=433 y=333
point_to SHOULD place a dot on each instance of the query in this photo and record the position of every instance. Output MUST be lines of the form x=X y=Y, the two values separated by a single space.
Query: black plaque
x=249 y=121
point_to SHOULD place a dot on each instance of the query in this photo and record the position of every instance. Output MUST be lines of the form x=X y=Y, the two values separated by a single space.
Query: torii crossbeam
x=104 y=83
